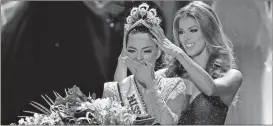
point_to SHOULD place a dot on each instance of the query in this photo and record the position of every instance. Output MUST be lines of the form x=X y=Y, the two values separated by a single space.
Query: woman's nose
x=186 y=37
x=139 y=56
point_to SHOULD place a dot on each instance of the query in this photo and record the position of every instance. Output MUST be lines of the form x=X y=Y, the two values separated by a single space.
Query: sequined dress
x=205 y=110
x=165 y=103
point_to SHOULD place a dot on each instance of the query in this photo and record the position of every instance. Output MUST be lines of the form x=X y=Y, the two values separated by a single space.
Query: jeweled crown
x=142 y=14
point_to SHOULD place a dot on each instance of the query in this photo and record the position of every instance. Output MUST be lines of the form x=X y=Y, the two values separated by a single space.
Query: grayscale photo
x=136 y=62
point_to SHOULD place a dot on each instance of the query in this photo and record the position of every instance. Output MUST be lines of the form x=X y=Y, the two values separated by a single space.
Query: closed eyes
x=147 y=51
x=131 y=50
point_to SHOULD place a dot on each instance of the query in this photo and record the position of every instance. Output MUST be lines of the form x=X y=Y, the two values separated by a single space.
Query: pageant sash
x=131 y=97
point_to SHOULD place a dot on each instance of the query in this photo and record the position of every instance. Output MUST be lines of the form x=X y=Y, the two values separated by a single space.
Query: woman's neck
x=202 y=59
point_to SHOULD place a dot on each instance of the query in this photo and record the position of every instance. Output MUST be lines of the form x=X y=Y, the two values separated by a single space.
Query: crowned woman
x=143 y=92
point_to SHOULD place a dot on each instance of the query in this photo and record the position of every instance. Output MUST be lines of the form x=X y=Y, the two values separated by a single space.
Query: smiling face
x=190 y=36
x=141 y=45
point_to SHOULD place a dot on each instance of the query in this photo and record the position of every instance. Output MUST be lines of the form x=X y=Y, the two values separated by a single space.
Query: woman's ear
x=158 y=53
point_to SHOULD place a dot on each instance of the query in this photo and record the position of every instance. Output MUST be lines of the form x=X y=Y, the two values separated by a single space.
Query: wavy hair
x=219 y=47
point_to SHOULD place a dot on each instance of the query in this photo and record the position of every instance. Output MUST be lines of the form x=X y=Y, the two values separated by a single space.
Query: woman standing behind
x=201 y=53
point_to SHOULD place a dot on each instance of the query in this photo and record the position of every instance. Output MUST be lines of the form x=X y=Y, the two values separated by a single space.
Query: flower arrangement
x=75 y=108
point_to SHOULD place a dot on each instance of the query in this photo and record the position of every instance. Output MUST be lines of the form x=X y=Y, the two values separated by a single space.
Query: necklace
x=140 y=95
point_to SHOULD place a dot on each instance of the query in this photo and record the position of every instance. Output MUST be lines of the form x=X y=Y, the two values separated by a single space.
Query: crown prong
x=142 y=12
x=129 y=19
x=134 y=11
x=144 y=6
x=153 y=11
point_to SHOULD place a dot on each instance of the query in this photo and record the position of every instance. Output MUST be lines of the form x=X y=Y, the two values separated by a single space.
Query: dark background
x=48 y=46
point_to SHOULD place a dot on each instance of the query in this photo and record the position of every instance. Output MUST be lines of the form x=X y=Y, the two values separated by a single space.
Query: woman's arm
x=121 y=71
x=168 y=112
x=224 y=86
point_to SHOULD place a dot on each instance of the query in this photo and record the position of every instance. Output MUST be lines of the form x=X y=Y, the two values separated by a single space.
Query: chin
x=193 y=53
x=190 y=52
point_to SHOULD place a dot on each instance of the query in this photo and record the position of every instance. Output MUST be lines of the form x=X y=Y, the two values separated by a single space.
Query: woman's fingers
x=147 y=63
x=159 y=31
x=131 y=68
x=154 y=32
x=133 y=62
x=157 y=36
x=162 y=46
x=133 y=65
x=123 y=52
x=157 y=42
x=151 y=67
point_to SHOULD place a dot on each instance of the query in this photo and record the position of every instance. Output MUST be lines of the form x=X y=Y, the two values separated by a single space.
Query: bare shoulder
x=235 y=75
x=235 y=72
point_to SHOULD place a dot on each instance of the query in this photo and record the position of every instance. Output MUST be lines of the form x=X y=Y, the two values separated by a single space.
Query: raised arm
x=121 y=71
x=226 y=86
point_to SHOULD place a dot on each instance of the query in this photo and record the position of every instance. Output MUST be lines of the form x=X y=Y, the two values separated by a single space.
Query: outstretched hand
x=143 y=71
x=163 y=42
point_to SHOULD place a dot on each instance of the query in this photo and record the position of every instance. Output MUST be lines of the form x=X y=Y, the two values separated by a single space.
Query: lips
x=189 y=45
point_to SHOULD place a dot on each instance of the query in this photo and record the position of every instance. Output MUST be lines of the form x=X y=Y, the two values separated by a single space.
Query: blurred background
x=50 y=45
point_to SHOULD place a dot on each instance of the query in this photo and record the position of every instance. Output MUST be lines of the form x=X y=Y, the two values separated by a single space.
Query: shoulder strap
x=122 y=104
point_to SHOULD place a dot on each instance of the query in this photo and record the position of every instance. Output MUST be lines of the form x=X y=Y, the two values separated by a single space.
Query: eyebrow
x=189 y=27
x=131 y=47
x=147 y=47
x=142 y=48
x=193 y=26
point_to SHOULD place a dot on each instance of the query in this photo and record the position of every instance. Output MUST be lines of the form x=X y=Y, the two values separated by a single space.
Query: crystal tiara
x=142 y=14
